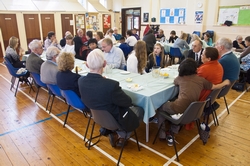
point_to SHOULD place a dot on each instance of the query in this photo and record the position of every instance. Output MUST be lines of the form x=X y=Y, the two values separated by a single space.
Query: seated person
x=69 y=46
x=228 y=60
x=116 y=34
x=109 y=34
x=100 y=93
x=65 y=78
x=246 y=51
x=79 y=39
x=157 y=57
x=172 y=37
x=245 y=62
x=187 y=78
x=181 y=42
x=51 y=41
x=11 y=53
x=92 y=44
x=134 y=31
x=196 y=52
x=208 y=39
x=239 y=44
x=126 y=49
x=113 y=55
x=49 y=68
x=211 y=69
x=99 y=37
x=160 y=36
x=137 y=60
x=196 y=37
x=131 y=40
x=63 y=40
x=34 y=61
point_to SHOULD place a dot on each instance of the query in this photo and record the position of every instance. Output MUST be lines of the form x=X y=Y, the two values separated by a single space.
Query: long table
x=154 y=92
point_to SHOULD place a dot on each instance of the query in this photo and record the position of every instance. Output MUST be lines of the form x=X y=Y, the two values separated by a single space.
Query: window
x=83 y=3
x=103 y=2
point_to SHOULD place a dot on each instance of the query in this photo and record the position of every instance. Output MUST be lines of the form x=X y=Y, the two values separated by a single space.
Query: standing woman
x=157 y=58
x=12 y=55
x=137 y=60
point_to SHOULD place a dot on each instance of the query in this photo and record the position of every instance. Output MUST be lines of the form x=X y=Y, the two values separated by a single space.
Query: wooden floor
x=31 y=136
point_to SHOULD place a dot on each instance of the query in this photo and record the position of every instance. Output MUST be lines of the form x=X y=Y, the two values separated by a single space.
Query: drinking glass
x=156 y=71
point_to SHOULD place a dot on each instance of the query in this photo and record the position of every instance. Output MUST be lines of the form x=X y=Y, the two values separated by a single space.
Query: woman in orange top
x=211 y=69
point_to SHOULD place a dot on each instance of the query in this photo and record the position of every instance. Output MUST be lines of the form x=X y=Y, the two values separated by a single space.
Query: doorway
x=131 y=18
x=48 y=24
x=8 y=25
x=66 y=26
x=32 y=29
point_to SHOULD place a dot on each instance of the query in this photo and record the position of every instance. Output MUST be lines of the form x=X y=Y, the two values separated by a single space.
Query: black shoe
x=113 y=137
x=216 y=105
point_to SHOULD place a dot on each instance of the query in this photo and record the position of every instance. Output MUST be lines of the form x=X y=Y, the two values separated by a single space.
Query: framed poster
x=173 y=16
x=145 y=17
x=198 y=17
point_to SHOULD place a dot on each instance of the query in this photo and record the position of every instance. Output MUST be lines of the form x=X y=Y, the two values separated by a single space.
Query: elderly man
x=51 y=41
x=49 y=68
x=116 y=34
x=34 y=61
x=79 y=40
x=196 y=52
x=100 y=93
x=239 y=44
x=113 y=55
x=228 y=60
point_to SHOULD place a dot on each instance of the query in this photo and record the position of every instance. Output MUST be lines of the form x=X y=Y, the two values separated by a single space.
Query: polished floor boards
x=31 y=136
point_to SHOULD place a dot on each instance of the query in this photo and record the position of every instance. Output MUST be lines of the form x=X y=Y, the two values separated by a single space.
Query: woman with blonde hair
x=157 y=57
x=137 y=60
x=65 y=78
x=181 y=42
x=12 y=55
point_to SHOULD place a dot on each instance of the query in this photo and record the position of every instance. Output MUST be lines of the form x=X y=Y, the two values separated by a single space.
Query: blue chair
x=54 y=90
x=21 y=77
x=75 y=101
x=38 y=83
x=175 y=52
x=198 y=33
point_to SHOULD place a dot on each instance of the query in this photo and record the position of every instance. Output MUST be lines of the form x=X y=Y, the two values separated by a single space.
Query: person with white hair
x=228 y=60
x=100 y=93
x=116 y=34
x=63 y=40
x=49 y=68
x=34 y=61
x=239 y=44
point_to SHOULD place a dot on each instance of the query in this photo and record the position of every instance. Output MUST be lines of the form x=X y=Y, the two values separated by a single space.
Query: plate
x=125 y=72
x=83 y=72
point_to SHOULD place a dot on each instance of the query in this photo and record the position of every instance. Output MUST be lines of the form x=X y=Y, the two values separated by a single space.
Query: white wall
x=209 y=7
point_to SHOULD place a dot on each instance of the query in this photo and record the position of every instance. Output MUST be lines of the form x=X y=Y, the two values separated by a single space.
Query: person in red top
x=211 y=69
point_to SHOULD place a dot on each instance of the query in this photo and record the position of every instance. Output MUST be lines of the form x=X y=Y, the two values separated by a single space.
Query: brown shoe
x=121 y=141
x=113 y=138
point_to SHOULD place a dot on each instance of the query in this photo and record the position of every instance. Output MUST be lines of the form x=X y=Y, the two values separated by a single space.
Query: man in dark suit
x=196 y=52
x=100 y=93
x=34 y=61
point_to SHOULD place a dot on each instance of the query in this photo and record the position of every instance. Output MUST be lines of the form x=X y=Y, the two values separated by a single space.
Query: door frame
x=124 y=20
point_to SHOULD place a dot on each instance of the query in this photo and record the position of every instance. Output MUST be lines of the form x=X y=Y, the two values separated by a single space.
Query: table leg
x=147 y=132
